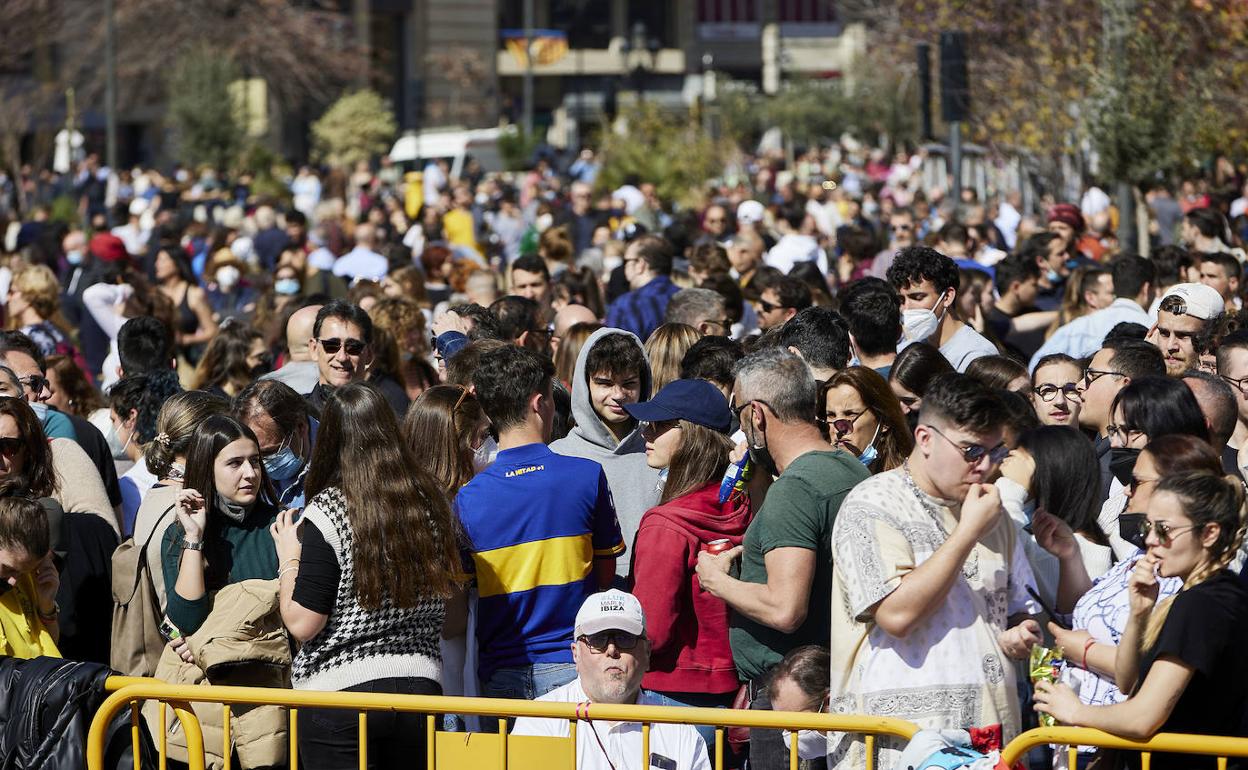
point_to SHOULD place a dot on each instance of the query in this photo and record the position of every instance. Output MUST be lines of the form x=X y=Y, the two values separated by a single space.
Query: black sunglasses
x=11 y=446
x=600 y=641
x=975 y=452
x=767 y=307
x=36 y=382
x=332 y=345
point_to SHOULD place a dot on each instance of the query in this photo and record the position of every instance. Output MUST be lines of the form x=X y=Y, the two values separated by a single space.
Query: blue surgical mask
x=74 y=257
x=870 y=453
x=283 y=464
x=40 y=409
x=1053 y=277
x=286 y=286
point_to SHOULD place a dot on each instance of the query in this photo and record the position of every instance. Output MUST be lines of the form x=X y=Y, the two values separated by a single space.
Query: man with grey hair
x=780 y=601
x=1217 y=404
x=703 y=309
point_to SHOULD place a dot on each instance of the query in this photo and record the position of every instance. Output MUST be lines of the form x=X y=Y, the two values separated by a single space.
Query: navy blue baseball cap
x=697 y=401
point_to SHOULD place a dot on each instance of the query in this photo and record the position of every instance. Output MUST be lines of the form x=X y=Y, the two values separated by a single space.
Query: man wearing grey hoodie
x=612 y=371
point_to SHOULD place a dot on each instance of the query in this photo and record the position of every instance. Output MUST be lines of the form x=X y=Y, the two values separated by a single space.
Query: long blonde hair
x=1206 y=499
x=665 y=350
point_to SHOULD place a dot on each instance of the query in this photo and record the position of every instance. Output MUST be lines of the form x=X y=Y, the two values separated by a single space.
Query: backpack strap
x=138 y=570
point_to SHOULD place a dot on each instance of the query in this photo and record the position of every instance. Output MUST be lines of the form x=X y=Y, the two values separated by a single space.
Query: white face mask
x=543 y=222
x=918 y=324
x=228 y=276
x=483 y=455
x=811 y=744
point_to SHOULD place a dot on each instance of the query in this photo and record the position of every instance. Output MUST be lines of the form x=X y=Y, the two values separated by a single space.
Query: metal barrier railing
x=129 y=692
x=1205 y=745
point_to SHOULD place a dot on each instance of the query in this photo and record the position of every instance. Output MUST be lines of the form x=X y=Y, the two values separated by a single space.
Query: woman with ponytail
x=1181 y=658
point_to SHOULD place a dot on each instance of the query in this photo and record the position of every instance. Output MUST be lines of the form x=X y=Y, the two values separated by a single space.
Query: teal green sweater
x=234 y=552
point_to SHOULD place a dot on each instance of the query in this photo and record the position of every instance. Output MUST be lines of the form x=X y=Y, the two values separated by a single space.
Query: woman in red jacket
x=686 y=431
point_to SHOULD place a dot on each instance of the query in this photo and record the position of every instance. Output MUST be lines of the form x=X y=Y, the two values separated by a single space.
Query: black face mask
x=1122 y=463
x=1129 y=529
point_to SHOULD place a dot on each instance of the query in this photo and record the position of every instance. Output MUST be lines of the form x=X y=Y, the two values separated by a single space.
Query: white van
x=414 y=149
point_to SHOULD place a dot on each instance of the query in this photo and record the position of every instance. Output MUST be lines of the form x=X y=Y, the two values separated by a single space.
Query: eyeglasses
x=1237 y=384
x=1121 y=432
x=976 y=452
x=1092 y=375
x=332 y=345
x=902 y=228
x=736 y=410
x=35 y=382
x=1049 y=392
x=767 y=307
x=11 y=446
x=600 y=641
x=1161 y=529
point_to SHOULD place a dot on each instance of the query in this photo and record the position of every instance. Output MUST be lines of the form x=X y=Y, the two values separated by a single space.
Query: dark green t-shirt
x=799 y=511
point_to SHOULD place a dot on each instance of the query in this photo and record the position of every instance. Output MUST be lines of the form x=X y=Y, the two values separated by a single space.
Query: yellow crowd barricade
x=456 y=750
x=1206 y=745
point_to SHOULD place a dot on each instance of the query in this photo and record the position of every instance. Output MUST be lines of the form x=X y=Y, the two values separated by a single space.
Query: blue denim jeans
x=528 y=682
x=697 y=700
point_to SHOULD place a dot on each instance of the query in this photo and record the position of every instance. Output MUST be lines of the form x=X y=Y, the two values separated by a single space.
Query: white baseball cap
x=750 y=212
x=1199 y=301
x=610 y=611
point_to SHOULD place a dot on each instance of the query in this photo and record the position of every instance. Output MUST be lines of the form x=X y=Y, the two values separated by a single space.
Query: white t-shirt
x=621 y=740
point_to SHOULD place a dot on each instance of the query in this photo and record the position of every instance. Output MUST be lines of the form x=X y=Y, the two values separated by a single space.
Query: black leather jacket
x=45 y=714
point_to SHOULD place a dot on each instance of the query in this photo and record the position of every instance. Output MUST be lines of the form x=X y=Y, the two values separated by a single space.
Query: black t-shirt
x=1207 y=629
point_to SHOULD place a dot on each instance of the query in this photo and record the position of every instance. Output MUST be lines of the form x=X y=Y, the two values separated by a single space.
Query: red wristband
x=1087 y=647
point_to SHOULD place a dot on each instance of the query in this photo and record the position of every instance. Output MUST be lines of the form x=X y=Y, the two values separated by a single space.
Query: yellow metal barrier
x=1205 y=745
x=455 y=750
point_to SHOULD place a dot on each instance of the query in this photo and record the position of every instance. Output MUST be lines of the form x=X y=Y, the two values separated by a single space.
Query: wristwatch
x=56 y=611
x=188 y=545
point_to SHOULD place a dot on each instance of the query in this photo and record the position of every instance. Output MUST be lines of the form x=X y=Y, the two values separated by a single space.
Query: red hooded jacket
x=688 y=628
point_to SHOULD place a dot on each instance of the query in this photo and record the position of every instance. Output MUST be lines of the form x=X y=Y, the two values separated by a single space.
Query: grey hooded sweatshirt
x=635 y=486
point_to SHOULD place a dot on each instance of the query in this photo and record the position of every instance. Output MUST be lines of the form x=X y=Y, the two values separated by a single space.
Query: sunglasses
x=600 y=641
x=1174 y=304
x=1135 y=485
x=1161 y=529
x=332 y=345
x=36 y=382
x=976 y=452
x=767 y=307
x=652 y=430
x=1049 y=392
x=844 y=425
x=9 y=447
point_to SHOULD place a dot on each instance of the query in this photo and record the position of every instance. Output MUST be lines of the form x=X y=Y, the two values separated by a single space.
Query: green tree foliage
x=669 y=149
x=201 y=110
x=356 y=127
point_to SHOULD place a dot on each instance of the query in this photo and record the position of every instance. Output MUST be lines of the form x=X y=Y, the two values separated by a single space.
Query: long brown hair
x=665 y=349
x=1207 y=499
x=403 y=532
x=438 y=428
x=82 y=396
x=700 y=459
x=36 y=478
x=894 y=444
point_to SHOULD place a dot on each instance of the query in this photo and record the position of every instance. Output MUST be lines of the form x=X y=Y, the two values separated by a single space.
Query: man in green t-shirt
x=782 y=599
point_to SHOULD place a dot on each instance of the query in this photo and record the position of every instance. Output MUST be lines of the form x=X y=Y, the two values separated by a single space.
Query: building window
x=807 y=18
x=729 y=19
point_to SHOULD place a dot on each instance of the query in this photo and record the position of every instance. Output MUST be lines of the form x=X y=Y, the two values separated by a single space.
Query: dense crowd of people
x=830 y=442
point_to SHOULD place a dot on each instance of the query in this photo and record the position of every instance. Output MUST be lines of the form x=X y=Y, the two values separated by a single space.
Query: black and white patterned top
x=359 y=645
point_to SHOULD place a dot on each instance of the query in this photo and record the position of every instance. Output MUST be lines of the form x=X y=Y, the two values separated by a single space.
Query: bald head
x=571 y=315
x=299 y=332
